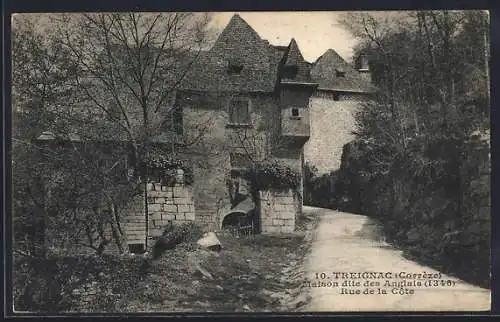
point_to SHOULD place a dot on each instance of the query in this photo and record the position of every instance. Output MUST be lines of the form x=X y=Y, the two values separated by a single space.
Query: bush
x=46 y=284
x=272 y=175
x=161 y=165
x=174 y=235
x=436 y=208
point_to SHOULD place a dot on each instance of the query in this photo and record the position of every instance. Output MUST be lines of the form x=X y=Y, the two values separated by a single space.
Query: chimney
x=363 y=67
x=362 y=63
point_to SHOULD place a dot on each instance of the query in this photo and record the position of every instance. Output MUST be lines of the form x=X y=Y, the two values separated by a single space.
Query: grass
x=258 y=273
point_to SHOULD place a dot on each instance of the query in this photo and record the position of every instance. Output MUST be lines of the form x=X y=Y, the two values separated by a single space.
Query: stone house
x=257 y=102
x=341 y=91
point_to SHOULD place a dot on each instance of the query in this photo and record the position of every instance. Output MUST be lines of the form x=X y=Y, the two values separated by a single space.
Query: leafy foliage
x=163 y=166
x=417 y=164
x=272 y=174
x=174 y=235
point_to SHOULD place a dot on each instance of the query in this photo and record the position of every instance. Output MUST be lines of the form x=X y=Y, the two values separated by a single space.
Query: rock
x=204 y=272
x=246 y=307
x=195 y=283
x=195 y=259
x=220 y=288
x=210 y=241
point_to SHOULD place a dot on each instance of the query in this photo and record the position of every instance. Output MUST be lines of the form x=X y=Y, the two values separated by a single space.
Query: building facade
x=243 y=102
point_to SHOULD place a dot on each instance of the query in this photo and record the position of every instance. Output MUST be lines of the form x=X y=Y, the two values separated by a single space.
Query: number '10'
x=320 y=275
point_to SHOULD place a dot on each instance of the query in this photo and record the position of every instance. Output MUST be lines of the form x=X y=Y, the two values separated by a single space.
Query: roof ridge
x=293 y=48
x=237 y=19
x=331 y=51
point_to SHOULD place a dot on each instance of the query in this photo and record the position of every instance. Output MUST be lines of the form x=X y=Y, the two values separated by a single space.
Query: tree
x=130 y=66
x=120 y=73
x=432 y=71
x=40 y=73
x=99 y=86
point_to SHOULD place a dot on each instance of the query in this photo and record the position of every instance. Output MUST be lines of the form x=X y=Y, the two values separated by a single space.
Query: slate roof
x=324 y=71
x=238 y=43
x=293 y=58
x=266 y=65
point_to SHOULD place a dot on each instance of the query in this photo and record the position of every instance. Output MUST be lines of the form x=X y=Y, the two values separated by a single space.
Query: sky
x=315 y=32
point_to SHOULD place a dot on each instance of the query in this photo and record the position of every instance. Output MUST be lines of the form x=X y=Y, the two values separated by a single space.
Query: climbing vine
x=272 y=174
x=163 y=167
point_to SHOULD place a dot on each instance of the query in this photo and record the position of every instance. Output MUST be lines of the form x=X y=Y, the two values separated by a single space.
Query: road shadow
x=372 y=230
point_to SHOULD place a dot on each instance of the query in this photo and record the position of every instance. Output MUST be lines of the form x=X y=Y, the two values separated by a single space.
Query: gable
x=295 y=68
x=332 y=72
x=237 y=44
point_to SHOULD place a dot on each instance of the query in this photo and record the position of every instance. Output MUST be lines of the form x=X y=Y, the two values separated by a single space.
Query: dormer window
x=295 y=112
x=234 y=66
x=339 y=72
x=290 y=71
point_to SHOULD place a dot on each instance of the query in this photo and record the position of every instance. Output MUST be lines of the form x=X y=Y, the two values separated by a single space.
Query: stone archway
x=242 y=216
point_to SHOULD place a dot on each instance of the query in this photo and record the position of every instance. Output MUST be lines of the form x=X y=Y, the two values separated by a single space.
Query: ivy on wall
x=272 y=174
x=163 y=167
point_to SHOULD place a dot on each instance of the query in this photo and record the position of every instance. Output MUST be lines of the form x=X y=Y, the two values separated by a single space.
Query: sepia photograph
x=250 y=162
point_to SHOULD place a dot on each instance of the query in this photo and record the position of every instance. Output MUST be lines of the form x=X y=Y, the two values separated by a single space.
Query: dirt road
x=347 y=246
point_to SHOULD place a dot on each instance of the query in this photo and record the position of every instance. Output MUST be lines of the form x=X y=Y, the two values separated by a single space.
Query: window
x=136 y=248
x=340 y=72
x=173 y=122
x=290 y=71
x=295 y=112
x=239 y=111
x=234 y=66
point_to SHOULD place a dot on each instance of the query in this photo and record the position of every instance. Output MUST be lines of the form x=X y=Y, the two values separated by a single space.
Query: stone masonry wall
x=133 y=223
x=165 y=204
x=168 y=204
x=332 y=124
x=211 y=155
x=278 y=211
x=475 y=177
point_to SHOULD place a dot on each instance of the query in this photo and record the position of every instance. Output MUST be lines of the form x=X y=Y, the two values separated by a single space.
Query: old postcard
x=247 y=162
